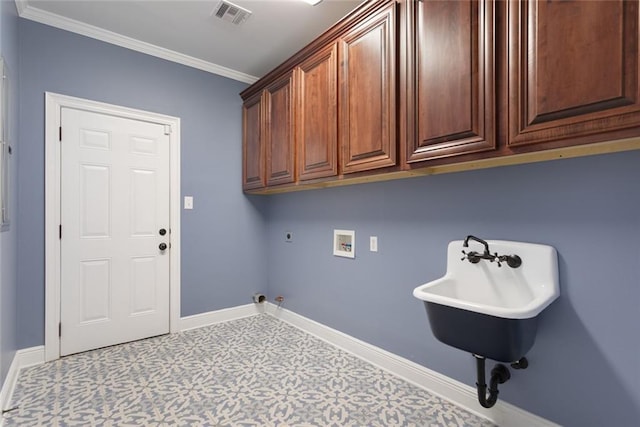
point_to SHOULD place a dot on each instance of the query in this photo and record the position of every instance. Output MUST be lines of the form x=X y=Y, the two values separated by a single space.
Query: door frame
x=53 y=111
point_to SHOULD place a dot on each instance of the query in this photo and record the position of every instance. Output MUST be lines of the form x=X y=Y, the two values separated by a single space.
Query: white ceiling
x=184 y=30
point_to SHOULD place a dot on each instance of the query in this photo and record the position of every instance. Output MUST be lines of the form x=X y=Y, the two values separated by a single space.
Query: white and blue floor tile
x=256 y=371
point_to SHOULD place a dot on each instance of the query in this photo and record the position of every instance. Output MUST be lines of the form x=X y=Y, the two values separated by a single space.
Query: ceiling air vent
x=228 y=11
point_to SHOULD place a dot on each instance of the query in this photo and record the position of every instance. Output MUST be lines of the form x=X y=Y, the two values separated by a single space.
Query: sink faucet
x=482 y=242
x=513 y=261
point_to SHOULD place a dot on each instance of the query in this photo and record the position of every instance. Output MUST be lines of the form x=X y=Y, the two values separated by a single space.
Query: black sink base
x=497 y=338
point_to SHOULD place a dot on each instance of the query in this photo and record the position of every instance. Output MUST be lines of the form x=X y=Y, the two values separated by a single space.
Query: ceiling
x=185 y=31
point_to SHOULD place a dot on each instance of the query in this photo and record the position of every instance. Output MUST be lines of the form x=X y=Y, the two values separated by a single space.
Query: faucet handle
x=473 y=257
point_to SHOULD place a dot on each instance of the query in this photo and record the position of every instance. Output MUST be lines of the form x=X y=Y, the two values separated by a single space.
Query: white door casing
x=114 y=200
x=127 y=313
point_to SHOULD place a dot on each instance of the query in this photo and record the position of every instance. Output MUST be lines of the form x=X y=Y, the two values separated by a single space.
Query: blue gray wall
x=223 y=261
x=8 y=239
x=584 y=367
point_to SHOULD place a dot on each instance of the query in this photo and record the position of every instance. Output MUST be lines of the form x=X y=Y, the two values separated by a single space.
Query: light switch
x=188 y=202
x=373 y=243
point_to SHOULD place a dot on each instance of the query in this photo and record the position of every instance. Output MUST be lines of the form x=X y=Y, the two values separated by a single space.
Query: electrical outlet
x=288 y=236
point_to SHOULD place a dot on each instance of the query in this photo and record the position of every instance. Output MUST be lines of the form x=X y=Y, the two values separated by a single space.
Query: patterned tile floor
x=256 y=371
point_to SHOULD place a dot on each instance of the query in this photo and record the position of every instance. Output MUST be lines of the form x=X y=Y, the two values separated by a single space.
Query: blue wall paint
x=584 y=365
x=8 y=239
x=222 y=257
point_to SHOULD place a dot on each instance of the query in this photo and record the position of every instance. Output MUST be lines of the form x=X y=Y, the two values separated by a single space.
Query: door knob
x=162 y=231
x=162 y=246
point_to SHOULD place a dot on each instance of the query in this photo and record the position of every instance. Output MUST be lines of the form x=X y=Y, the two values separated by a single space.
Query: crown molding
x=21 y=5
x=27 y=11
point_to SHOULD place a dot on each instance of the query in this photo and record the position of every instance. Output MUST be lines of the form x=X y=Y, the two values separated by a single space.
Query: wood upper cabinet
x=367 y=104
x=406 y=84
x=252 y=147
x=279 y=130
x=317 y=117
x=450 y=107
x=573 y=71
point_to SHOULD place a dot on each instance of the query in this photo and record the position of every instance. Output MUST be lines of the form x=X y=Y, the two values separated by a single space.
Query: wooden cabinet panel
x=450 y=88
x=252 y=147
x=573 y=69
x=278 y=101
x=445 y=83
x=317 y=117
x=367 y=94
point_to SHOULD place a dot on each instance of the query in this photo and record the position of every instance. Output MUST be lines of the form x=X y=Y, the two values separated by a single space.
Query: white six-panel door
x=114 y=202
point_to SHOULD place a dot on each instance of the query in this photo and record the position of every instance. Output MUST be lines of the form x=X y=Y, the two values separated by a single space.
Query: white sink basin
x=488 y=310
x=506 y=292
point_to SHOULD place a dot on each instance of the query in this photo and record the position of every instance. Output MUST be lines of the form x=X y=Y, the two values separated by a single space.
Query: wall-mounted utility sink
x=488 y=300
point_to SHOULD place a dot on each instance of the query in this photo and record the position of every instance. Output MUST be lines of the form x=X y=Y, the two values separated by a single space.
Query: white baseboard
x=224 y=315
x=22 y=359
x=502 y=414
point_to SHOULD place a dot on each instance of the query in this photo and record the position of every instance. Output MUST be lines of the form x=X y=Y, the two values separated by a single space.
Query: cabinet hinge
x=60 y=231
x=59 y=329
x=167 y=129
x=60 y=133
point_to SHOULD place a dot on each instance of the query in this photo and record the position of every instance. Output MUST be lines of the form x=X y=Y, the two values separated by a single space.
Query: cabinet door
x=367 y=106
x=278 y=101
x=573 y=70
x=252 y=146
x=317 y=117
x=451 y=92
